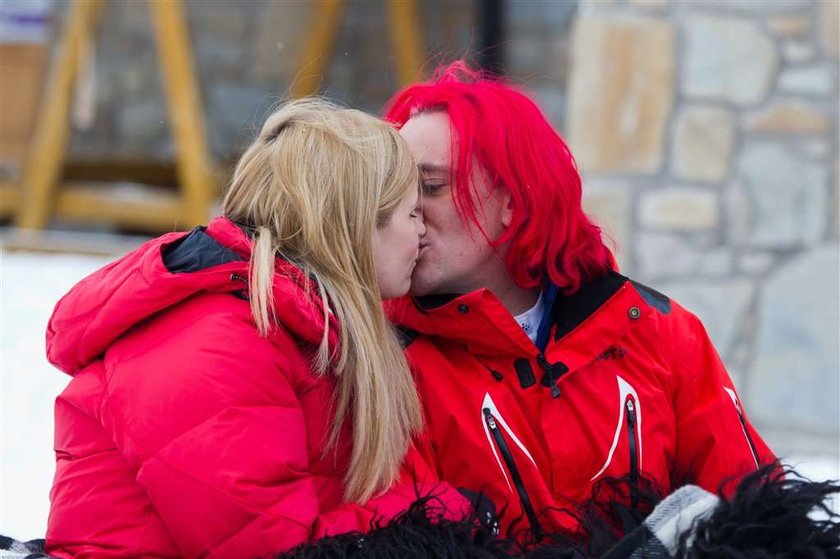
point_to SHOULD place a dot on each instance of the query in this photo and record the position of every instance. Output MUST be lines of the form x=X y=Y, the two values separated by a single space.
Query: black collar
x=569 y=311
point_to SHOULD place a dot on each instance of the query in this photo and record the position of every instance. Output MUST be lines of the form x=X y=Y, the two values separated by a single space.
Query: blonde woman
x=237 y=390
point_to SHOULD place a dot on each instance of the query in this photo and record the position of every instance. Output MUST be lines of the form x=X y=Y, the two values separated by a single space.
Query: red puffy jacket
x=627 y=384
x=183 y=433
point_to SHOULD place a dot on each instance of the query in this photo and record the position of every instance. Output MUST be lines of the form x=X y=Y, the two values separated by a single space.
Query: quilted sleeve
x=716 y=443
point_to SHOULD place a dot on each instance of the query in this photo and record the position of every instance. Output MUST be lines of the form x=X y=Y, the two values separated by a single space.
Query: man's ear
x=507 y=209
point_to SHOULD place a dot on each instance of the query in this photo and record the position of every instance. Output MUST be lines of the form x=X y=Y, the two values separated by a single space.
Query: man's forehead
x=428 y=136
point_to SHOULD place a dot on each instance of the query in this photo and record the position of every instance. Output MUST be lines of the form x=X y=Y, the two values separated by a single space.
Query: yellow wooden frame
x=404 y=35
x=40 y=195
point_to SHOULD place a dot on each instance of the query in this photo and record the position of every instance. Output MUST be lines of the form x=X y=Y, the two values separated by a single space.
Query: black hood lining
x=197 y=251
x=570 y=311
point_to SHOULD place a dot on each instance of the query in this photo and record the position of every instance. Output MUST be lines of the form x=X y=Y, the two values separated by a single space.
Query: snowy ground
x=30 y=285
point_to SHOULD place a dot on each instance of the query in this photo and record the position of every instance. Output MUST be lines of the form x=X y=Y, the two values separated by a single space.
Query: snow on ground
x=30 y=285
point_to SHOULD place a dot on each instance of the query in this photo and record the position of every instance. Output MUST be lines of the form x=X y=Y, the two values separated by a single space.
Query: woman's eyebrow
x=431 y=169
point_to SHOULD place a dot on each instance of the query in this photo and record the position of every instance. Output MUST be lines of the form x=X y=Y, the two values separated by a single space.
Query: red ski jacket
x=622 y=383
x=183 y=433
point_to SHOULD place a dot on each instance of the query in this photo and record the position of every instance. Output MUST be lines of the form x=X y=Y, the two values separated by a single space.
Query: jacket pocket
x=499 y=439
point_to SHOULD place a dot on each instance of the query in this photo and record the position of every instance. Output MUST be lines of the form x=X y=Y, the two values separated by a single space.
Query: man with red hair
x=542 y=369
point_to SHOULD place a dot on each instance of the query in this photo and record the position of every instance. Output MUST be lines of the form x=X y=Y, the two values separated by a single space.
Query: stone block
x=794 y=378
x=686 y=209
x=756 y=263
x=668 y=256
x=703 y=142
x=815 y=149
x=788 y=117
x=779 y=198
x=798 y=52
x=835 y=185
x=789 y=26
x=651 y=4
x=610 y=207
x=729 y=59
x=752 y=7
x=621 y=93
x=829 y=18
x=817 y=80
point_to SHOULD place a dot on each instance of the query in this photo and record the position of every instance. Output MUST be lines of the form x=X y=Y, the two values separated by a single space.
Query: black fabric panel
x=196 y=251
x=525 y=373
x=429 y=302
x=653 y=298
x=571 y=310
x=406 y=336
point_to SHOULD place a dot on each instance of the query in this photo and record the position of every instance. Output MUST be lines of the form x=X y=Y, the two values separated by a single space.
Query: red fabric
x=688 y=428
x=183 y=433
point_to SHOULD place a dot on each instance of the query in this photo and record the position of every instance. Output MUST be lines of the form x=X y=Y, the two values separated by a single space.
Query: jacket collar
x=580 y=326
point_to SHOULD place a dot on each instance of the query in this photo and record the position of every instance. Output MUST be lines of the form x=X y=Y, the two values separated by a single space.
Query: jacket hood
x=162 y=273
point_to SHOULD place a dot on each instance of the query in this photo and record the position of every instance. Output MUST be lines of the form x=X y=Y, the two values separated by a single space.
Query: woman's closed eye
x=431 y=188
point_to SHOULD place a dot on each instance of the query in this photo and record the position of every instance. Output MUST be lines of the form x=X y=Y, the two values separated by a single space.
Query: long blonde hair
x=313 y=186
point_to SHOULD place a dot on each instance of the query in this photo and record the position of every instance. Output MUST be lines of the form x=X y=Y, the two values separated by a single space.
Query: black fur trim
x=774 y=513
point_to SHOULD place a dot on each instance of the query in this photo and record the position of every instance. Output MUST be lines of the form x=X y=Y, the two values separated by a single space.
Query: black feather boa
x=774 y=513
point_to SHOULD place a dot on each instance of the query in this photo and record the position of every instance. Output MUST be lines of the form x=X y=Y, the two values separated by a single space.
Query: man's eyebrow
x=430 y=169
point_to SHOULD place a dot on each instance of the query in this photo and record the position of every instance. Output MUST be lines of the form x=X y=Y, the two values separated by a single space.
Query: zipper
x=634 y=462
x=241 y=293
x=514 y=473
x=553 y=372
x=746 y=432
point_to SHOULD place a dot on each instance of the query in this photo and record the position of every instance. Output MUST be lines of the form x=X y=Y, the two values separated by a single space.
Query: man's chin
x=420 y=286
x=418 y=291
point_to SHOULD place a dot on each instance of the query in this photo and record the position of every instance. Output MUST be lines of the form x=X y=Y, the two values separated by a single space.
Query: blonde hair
x=312 y=187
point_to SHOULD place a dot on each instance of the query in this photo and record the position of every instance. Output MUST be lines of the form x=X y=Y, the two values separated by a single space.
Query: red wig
x=505 y=132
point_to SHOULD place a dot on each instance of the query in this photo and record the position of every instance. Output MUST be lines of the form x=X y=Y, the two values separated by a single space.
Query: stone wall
x=707 y=133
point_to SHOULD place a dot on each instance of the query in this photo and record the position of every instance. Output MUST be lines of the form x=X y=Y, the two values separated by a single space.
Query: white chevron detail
x=624 y=390
x=489 y=403
x=490 y=440
x=740 y=412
